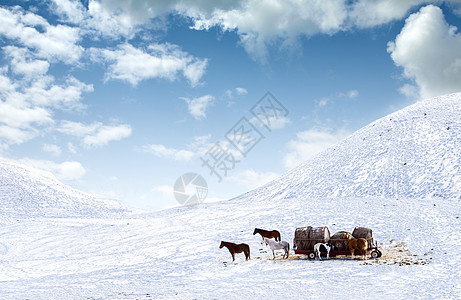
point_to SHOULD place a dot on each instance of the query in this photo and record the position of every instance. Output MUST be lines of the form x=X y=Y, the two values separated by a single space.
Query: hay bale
x=338 y=241
x=302 y=233
x=318 y=235
x=362 y=233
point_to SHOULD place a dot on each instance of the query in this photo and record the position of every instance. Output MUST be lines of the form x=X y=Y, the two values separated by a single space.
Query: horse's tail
x=288 y=249
x=279 y=236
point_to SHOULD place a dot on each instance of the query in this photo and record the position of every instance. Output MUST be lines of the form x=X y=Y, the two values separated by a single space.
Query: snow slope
x=412 y=153
x=28 y=192
x=174 y=254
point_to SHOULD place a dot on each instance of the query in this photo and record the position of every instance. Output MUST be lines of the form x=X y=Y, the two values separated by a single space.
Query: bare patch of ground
x=396 y=254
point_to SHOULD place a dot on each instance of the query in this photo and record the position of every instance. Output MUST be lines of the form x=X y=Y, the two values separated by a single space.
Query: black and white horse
x=323 y=247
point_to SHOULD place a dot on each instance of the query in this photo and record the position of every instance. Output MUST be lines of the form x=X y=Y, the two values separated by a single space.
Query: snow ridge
x=412 y=153
x=28 y=192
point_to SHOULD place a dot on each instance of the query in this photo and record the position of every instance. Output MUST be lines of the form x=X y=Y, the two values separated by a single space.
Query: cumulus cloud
x=95 y=134
x=369 y=13
x=52 y=149
x=166 y=61
x=23 y=63
x=259 y=24
x=52 y=42
x=197 y=106
x=262 y=23
x=68 y=170
x=69 y=10
x=28 y=104
x=429 y=51
x=309 y=143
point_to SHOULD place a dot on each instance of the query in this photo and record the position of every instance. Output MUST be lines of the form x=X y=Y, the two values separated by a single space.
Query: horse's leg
x=273 y=253
x=233 y=256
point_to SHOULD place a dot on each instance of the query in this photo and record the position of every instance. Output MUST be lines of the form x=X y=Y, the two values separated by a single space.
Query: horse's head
x=255 y=231
x=222 y=244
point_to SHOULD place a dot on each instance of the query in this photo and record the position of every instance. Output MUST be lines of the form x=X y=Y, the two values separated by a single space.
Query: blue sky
x=120 y=98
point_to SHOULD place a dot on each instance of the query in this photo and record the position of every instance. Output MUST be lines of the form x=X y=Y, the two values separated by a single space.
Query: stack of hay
x=313 y=235
x=338 y=241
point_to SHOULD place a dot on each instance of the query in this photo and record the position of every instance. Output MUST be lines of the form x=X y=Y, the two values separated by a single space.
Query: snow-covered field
x=175 y=254
x=399 y=176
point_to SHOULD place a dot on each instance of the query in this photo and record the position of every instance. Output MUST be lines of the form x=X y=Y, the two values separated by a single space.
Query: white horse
x=277 y=246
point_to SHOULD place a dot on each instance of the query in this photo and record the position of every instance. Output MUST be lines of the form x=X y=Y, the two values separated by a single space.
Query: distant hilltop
x=412 y=153
x=28 y=192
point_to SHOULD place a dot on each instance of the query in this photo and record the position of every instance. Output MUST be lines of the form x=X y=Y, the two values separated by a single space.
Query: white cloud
x=262 y=23
x=69 y=11
x=241 y=91
x=166 y=61
x=28 y=104
x=169 y=153
x=13 y=135
x=22 y=62
x=52 y=149
x=252 y=179
x=105 y=134
x=429 y=51
x=95 y=134
x=351 y=94
x=259 y=23
x=197 y=106
x=68 y=170
x=369 y=13
x=48 y=41
x=409 y=90
x=198 y=147
x=43 y=92
x=273 y=122
x=309 y=143
x=78 y=129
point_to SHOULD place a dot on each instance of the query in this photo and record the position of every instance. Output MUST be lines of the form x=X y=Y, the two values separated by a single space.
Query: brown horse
x=236 y=248
x=359 y=244
x=272 y=234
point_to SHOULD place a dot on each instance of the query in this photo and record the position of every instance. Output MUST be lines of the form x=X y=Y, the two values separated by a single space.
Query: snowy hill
x=398 y=176
x=28 y=192
x=412 y=153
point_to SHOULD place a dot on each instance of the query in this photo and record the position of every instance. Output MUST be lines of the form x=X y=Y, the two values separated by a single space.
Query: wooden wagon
x=307 y=237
